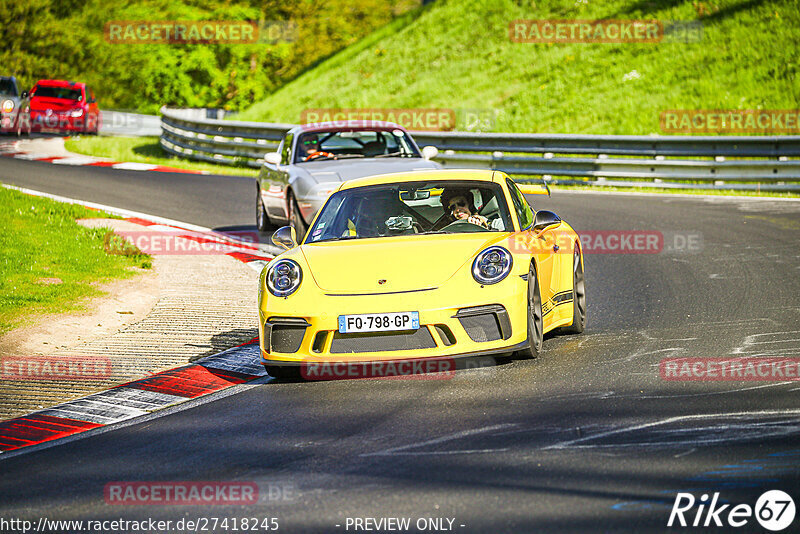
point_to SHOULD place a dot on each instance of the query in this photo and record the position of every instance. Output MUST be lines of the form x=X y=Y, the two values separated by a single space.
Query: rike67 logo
x=774 y=510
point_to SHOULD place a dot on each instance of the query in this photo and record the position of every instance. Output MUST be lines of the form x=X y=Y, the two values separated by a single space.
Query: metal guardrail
x=638 y=157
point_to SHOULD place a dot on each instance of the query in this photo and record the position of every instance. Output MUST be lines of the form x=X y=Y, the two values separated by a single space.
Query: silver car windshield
x=412 y=208
x=346 y=144
x=7 y=87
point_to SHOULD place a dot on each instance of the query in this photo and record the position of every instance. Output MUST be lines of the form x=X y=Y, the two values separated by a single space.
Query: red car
x=62 y=106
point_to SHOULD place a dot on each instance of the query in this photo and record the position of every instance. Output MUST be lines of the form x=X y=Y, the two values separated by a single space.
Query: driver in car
x=458 y=205
x=310 y=147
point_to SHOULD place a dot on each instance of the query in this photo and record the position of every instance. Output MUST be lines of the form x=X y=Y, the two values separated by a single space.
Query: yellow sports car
x=428 y=264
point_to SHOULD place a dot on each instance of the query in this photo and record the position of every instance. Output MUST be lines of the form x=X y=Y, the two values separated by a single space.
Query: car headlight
x=76 y=113
x=284 y=277
x=8 y=106
x=492 y=265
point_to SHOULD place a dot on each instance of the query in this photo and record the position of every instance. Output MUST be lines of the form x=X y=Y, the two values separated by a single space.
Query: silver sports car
x=313 y=159
x=14 y=107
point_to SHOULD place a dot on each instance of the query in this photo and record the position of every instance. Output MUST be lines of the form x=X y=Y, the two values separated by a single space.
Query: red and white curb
x=232 y=367
x=12 y=150
x=235 y=366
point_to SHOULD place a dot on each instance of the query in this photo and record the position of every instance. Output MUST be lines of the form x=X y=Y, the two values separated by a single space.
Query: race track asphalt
x=587 y=438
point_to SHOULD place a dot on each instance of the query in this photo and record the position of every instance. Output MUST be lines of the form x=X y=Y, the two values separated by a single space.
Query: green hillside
x=458 y=54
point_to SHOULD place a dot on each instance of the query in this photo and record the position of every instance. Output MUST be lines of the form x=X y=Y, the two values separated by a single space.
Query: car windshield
x=57 y=92
x=345 y=144
x=7 y=87
x=411 y=208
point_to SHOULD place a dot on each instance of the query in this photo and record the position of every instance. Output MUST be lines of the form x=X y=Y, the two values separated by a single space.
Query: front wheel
x=578 y=297
x=262 y=221
x=296 y=219
x=535 y=322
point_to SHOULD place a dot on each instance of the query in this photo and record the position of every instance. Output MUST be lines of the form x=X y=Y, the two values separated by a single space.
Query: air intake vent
x=285 y=334
x=382 y=342
x=485 y=323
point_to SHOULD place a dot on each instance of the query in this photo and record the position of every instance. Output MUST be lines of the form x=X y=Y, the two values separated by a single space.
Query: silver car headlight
x=284 y=277
x=492 y=265
x=8 y=106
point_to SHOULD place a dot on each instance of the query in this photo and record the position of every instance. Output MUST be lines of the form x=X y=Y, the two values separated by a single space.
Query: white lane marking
x=429 y=453
x=113 y=405
x=132 y=166
x=450 y=437
x=93 y=411
x=185 y=404
x=666 y=421
x=111 y=209
x=32 y=156
x=750 y=340
x=75 y=160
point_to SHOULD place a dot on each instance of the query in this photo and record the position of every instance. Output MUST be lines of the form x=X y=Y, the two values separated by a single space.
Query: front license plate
x=378 y=322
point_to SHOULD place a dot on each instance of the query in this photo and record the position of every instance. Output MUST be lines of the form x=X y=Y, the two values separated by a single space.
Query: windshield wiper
x=345 y=156
x=389 y=155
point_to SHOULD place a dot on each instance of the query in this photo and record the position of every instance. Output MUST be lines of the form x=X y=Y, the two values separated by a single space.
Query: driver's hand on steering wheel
x=320 y=154
x=479 y=220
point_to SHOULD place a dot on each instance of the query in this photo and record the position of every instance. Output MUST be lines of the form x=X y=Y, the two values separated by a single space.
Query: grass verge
x=48 y=262
x=144 y=150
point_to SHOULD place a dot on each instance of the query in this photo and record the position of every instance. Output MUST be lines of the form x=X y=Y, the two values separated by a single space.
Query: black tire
x=535 y=317
x=283 y=372
x=578 y=297
x=262 y=219
x=296 y=219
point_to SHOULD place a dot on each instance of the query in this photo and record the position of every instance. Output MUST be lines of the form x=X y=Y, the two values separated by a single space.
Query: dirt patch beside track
x=188 y=307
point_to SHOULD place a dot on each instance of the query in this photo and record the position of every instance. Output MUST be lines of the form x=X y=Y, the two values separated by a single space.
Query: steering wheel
x=316 y=155
x=463 y=225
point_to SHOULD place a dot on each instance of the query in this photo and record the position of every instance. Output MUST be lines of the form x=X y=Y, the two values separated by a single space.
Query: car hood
x=56 y=104
x=405 y=263
x=350 y=169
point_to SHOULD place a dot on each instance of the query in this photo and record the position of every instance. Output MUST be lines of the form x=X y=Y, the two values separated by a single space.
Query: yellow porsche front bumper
x=460 y=318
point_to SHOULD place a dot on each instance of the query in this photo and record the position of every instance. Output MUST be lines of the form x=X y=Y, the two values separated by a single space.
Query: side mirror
x=285 y=237
x=273 y=158
x=544 y=220
x=430 y=152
